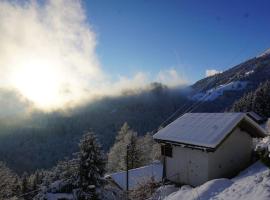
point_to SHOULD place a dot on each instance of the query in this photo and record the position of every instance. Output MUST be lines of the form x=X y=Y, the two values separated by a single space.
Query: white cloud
x=109 y=87
x=48 y=54
x=211 y=72
x=170 y=77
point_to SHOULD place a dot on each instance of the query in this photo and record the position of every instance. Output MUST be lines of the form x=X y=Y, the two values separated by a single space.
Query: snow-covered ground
x=214 y=93
x=138 y=176
x=249 y=72
x=251 y=184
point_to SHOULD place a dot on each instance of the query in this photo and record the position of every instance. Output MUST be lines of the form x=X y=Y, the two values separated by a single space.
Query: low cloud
x=212 y=72
x=170 y=77
x=48 y=55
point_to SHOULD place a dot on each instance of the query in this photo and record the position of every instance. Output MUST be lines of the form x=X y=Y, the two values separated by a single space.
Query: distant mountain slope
x=218 y=92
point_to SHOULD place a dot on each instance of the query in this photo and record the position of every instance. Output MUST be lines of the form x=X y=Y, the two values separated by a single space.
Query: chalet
x=198 y=147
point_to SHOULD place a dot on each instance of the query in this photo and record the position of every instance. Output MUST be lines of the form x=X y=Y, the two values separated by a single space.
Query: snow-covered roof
x=138 y=175
x=206 y=129
x=257 y=118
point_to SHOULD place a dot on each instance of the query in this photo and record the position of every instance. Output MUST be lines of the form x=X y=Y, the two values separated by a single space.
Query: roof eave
x=185 y=145
x=258 y=130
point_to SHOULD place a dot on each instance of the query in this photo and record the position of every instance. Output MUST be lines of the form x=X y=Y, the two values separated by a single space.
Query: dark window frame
x=166 y=150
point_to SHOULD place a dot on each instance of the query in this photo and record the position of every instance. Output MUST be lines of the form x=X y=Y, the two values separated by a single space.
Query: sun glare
x=38 y=82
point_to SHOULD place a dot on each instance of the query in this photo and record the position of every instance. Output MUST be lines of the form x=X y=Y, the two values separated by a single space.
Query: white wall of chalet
x=194 y=167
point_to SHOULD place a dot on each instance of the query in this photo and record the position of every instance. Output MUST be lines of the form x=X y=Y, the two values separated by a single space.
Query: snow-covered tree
x=142 y=150
x=150 y=150
x=118 y=153
x=9 y=183
x=263 y=150
x=122 y=132
x=35 y=179
x=116 y=156
x=133 y=152
x=24 y=183
x=91 y=165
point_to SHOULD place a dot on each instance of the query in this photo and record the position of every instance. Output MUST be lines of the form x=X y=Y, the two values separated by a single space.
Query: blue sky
x=188 y=36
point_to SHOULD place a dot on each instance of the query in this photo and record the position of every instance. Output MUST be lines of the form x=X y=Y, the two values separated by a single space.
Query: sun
x=38 y=81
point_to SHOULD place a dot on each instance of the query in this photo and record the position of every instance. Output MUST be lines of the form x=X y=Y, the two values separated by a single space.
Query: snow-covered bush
x=145 y=189
x=263 y=150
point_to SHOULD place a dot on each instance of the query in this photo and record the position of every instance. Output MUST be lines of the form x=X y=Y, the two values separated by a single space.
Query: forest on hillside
x=45 y=138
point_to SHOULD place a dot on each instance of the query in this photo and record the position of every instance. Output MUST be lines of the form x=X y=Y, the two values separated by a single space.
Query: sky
x=186 y=35
x=61 y=53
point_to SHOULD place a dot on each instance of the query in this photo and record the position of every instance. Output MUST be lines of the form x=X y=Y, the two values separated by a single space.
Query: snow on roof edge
x=253 y=122
x=226 y=130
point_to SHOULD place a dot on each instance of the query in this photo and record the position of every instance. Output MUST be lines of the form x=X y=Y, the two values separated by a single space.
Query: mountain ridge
x=253 y=72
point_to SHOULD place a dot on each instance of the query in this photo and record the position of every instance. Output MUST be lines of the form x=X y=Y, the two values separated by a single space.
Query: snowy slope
x=253 y=183
x=214 y=93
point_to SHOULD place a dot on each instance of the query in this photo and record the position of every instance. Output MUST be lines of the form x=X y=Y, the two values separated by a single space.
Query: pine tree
x=122 y=132
x=261 y=103
x=32 y=182
x=9 y=183
x=257 y=101
x=91 y=165
x=35 y=180
x=24 y=183
x=245 y=104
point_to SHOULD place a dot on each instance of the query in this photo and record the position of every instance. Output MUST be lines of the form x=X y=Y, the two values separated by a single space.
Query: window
x=166 y=150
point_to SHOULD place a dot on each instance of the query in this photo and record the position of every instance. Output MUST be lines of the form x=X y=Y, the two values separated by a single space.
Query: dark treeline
x=257 y=101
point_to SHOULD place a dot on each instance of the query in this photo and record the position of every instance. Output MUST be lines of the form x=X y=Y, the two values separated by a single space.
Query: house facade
x=198 y=147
